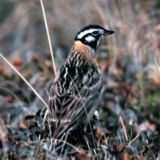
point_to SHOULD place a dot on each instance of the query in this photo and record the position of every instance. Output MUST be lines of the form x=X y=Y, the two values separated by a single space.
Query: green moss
x=154 y=103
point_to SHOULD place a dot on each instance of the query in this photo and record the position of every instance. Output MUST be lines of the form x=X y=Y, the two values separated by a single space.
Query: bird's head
x=92 y=35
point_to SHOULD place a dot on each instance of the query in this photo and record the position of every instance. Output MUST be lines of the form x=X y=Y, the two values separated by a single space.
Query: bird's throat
x=79 y=47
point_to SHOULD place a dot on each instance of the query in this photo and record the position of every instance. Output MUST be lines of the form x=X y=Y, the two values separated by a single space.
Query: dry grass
x=135 y=23
x=23 y=34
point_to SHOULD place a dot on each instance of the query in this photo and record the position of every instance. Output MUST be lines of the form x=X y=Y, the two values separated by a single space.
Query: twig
x=67 y=143
x=135 y=138
x=20 y=75
x=48 y=37
x=157 y=64
x=124 y=128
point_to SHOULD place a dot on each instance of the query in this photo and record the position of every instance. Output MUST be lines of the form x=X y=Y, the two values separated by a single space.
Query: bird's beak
x=108 y=32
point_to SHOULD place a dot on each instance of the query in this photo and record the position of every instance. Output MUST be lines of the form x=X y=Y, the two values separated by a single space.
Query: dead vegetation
x=128 y=126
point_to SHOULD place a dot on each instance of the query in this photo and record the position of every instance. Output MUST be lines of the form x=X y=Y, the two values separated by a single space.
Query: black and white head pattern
x=91 y=35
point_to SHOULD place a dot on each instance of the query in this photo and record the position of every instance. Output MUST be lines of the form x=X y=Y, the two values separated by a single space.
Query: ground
x=127 y=123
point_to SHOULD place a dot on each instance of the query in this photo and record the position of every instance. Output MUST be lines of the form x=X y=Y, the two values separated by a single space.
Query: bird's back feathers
x=75 y=90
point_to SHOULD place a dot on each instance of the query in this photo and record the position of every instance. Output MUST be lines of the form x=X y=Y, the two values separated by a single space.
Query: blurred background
x=129 y=61
x=130 y=55
x=136 y=25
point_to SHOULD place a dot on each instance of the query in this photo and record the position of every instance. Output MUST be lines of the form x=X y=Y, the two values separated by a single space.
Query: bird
x=77 y=86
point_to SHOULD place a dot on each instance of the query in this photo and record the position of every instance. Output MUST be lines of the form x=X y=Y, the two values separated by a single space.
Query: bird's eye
x=95 y=33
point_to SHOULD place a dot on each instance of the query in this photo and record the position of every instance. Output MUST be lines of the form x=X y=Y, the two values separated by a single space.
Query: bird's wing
x=74 y=91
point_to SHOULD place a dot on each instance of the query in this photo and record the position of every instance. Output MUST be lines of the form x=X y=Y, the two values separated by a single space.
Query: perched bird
x=76 y=88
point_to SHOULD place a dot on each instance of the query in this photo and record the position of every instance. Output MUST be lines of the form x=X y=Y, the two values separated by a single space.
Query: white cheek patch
x=90 y=38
